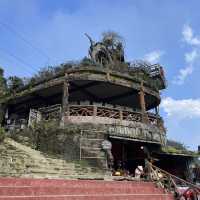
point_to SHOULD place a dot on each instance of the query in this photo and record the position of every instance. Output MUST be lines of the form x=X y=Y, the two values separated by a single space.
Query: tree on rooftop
x=115 y=45
x=14 y=83
x=112 y=39
x=45 y=73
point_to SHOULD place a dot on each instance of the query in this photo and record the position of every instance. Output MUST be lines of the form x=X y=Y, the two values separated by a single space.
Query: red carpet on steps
x=55 y=189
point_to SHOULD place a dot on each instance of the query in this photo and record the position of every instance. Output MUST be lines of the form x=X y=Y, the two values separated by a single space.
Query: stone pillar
x=142 y=104
x=65 y=100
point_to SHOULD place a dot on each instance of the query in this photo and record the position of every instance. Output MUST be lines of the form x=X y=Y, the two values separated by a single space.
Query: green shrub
x=2 y=134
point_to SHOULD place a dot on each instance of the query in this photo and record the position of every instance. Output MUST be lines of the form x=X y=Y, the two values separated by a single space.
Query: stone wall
x=18 y=160
x=81 y=142
x=71 y=143
x=126 y=129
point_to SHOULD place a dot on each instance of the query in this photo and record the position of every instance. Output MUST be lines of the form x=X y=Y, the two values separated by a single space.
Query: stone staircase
x=91 y=147
x=22 y=161
x=55 y=189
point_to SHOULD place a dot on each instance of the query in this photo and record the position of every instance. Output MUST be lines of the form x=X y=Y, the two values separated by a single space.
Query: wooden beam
x=84 y=90
x=119 y=96
x=142 y=99
x=143 y=104
x=65 y=100
x=88 y=85
x=35 y=95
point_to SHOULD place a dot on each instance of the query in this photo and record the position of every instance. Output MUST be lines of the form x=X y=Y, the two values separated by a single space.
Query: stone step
x=26 y=191
x=75 y=183
x=19 y=160
x=61 y=189
x=94 y=197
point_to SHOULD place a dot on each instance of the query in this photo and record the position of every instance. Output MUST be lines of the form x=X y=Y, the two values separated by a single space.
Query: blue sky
x=37 y=33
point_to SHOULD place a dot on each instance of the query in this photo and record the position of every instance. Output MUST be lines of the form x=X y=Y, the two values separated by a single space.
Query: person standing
x=107 y=146
x=147 y=161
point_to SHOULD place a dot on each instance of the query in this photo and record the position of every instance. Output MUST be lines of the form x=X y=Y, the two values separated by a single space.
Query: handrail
x=178 y=178
x=168 y=181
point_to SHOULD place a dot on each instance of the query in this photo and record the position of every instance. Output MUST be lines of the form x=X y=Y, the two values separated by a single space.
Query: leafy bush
x=14 y=83
x=176 y=145
x=3 y=84
x=87 y=62
x=2 y=134
x=44 y=74
x=48 y=137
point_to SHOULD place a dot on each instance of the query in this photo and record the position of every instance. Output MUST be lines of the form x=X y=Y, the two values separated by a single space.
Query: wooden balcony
x=117 y=121
x=116 y=115
x=100 y=114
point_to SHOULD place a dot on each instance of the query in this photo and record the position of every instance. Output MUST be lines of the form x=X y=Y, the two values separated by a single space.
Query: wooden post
x=80 y=152
x=65 y=101
x=94 y=111
x=123 y=153
x=157 y=110
x=142 y=104
x=108 y=75
x=121 y=115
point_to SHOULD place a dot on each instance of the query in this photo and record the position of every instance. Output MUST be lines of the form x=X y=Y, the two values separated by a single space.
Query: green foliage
x=3 y=85
x=112 y=39
x=14 y=83
x=2 y=134
x=87 y=62
x=48 y=137
x=176 y=145
x=173 y=150
x=47 y=73
x=81 y=163
x=43 y=129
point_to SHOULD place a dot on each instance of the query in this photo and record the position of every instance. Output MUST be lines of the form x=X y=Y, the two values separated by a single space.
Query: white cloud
x=191 y=56
x=181 y=109
x=154 y=56
x=188 y=36
x=183 y=74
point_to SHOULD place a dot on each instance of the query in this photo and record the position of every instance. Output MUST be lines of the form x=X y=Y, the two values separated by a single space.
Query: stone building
x=101 y=98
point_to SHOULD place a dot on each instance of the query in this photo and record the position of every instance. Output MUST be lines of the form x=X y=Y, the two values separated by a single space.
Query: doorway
x=127 y=155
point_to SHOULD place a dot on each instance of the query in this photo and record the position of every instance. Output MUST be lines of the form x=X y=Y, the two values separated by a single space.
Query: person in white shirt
x=139 y=171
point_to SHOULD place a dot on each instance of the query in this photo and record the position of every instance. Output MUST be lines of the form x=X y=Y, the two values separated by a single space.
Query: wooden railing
x=115 y=113
x=51 y=112
x=54 y=112
x=35 y=116
x=172 y=183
